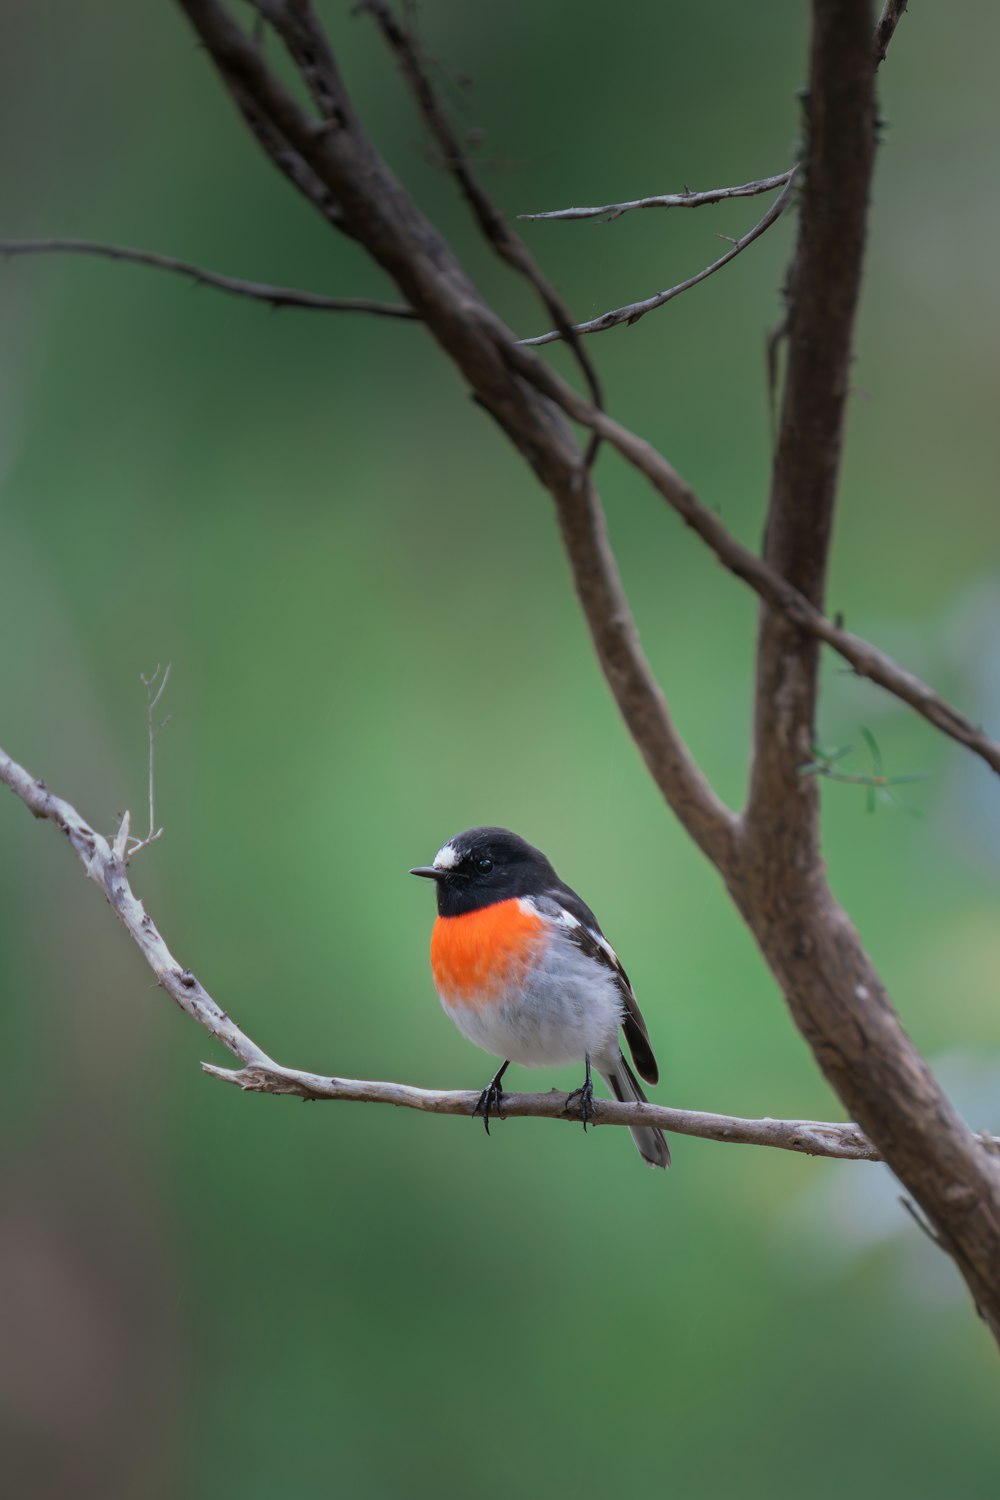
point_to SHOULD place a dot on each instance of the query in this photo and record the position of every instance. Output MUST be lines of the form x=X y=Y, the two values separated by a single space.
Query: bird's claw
x=585 y=1094
x=490 y=1103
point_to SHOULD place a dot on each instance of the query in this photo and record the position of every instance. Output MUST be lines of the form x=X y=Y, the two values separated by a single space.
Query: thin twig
x=608 y=212
x=260 y=1073
x=636 y=310
x=154 y=692
x=257 y=291
x=892 y=14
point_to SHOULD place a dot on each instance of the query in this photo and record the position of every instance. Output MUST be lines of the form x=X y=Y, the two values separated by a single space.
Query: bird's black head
x=485 y=865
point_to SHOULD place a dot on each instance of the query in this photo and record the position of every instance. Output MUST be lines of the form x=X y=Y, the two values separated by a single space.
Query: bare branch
x=892 y=14
x=711 y=824
x=823 y=289
x=258 y=291
x=107 y=869
x=508 y=245
x=297 y=24
x=867 y=660
x=260 y=1073
x=810 y=1137
x=608 y=212
x=636 y=310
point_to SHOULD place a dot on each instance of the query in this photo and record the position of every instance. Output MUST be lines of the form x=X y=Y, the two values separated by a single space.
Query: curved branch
x=712 y=825
x=105 y=865
x=611 y=211
x=258 y=291
x=867 y=660
x=636 y=310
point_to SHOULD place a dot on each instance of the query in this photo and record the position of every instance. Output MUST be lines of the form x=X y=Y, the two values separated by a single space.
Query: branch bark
x=824 y=287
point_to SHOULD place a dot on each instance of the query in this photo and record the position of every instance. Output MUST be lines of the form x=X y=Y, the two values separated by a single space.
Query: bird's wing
x=580 y=926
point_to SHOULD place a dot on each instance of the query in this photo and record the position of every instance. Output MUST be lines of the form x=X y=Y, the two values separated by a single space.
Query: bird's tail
x=624 y=1085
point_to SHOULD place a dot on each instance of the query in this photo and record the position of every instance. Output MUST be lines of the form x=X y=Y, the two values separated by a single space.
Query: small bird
x=525 y=972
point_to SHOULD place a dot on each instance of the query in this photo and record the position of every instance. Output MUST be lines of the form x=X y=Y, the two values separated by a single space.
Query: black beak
x=429 y=872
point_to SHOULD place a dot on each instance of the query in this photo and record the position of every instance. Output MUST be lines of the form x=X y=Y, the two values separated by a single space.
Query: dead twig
x=633 y=311
x=608 y=212
x=154 y=684
x=257 y=291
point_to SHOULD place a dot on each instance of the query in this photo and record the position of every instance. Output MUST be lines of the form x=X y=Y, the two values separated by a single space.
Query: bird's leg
x=492 y=1097
x=585 y=1096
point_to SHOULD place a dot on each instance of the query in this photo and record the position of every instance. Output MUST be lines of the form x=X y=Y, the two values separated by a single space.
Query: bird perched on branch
x=525 y=972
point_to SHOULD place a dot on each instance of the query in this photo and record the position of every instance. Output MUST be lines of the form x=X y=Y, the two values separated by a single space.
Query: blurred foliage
x=374 y=644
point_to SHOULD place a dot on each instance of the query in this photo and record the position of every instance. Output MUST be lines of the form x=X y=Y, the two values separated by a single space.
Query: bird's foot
x=491 y=1099
x=585 y=1095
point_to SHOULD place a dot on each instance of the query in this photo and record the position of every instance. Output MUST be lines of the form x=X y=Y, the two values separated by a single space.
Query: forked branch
x=633 y=311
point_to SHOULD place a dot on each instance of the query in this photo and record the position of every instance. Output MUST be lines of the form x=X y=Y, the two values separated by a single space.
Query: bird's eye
x=484 y=865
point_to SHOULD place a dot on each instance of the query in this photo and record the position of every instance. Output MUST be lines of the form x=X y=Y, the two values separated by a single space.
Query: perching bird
x=524 y=971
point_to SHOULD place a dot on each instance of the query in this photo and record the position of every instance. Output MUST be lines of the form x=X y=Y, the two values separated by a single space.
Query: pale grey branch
x=610 y=211
x=810 y=1137
x=636 y=310
x=257 y=291
x=105 y=865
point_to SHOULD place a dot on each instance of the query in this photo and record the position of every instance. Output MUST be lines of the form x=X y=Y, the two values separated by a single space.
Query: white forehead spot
x=446 y=858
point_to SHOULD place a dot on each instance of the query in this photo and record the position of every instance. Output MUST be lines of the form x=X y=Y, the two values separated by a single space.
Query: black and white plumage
x=524 y=971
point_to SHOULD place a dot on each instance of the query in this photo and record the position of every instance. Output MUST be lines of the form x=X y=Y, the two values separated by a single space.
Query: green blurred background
x=375 y=644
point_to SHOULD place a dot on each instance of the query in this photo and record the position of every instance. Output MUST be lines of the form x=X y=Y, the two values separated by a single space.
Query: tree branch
x=888 y=21
x=257 y=291
x=892 y=14
x=636 y=310
x=608 y=212
x=510 y=247
x=710 y=823
x=867 y=660
x=262 y=1074
x=824 y=287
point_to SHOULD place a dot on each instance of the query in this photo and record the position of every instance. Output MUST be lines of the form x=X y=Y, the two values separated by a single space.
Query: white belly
x=567 y=1008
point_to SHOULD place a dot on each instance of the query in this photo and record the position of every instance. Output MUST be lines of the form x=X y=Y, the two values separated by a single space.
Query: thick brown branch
x=258 y=291
x=636 y=310
x=824 y=287
x=608 y=212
